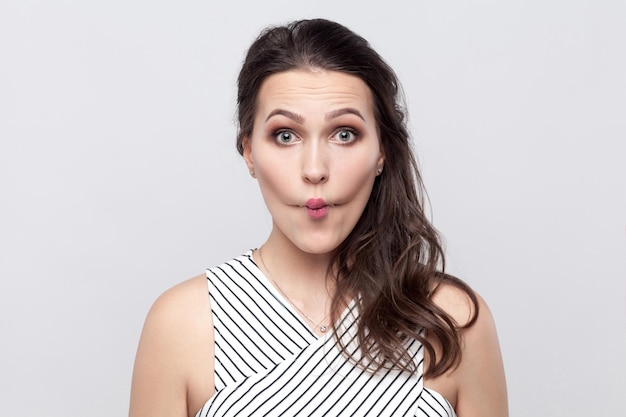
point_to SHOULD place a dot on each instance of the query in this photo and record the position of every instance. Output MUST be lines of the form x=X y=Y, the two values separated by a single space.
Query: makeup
x=316 y=208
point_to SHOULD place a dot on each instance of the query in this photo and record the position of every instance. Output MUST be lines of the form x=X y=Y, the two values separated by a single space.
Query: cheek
x=359 y=184
x=358 y=175
x=272 y=181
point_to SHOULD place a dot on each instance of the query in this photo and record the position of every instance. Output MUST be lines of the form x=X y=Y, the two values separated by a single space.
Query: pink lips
x=316 y=208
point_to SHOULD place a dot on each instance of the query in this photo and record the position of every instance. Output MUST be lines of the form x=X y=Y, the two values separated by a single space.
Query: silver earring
x=379 y=171
x=252 y=173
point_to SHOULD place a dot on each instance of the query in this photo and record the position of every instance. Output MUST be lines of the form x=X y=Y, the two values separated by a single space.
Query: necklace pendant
x=323 y=328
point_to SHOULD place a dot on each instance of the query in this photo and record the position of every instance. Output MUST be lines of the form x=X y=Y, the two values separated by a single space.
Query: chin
x=318 y=248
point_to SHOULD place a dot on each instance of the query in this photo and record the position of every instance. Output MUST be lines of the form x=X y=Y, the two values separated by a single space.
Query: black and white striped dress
x=268 y=362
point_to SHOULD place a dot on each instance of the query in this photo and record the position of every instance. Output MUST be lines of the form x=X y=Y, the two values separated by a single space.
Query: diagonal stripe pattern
x=268 y=362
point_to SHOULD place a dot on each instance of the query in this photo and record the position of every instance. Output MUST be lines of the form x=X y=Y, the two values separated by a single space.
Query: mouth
x=315 y=203
x=316 y=208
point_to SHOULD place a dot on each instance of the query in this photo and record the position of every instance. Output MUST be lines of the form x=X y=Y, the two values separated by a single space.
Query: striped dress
x=268 y=362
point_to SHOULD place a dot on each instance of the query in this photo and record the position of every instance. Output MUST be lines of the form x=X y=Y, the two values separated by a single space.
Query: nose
x=315 y=162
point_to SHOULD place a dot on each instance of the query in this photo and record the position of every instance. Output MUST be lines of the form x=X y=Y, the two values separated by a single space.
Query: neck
x=302 y=278
x=300 y=274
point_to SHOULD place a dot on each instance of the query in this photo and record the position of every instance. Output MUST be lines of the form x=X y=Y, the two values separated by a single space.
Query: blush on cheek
x=276 y=185
x=360 y=184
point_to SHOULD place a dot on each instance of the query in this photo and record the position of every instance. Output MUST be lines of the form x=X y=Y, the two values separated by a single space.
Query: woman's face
x=315 y=151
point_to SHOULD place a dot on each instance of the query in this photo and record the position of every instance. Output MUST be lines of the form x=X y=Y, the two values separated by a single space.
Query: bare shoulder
x=456 y=302
x=181 y=301
x=174 y=358
x=179 y=313
x=479 y=381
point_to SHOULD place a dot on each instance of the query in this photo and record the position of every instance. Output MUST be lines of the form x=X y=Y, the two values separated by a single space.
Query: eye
x=345 y=135
x=285 y=137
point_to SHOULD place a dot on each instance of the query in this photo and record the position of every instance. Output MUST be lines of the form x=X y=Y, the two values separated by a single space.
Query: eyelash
x=355 y=133
x=276 y=134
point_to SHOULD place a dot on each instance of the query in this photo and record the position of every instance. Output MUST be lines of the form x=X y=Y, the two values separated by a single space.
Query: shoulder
x=180 y=302
x=174 y=351
x=479 y=385
x=180 y=311
x=463 y=305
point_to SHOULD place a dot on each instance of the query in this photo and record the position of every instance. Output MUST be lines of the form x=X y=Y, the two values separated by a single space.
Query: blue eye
x=345 y=136
x=285 y=137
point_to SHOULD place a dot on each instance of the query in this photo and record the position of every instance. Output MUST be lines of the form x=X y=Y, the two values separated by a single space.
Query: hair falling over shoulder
x=393 y=259
x=395 y=262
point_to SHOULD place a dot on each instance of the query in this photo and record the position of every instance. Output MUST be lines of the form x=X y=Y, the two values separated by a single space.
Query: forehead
x=312 y=90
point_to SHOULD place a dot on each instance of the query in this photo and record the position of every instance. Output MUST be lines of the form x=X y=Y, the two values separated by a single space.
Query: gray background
x=119 y=178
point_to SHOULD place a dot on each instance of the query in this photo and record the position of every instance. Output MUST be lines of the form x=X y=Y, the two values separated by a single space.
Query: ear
x=247 y=154
x=381 y=162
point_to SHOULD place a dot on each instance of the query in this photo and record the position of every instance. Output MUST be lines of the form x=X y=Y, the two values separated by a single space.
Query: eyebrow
x=300 y=119
x=341 y=112
x=291 y=115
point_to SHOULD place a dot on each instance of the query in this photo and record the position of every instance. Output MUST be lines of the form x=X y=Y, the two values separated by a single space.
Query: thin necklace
x=323 y=327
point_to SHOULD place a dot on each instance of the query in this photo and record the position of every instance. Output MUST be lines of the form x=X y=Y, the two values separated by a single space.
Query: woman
x=345 y=309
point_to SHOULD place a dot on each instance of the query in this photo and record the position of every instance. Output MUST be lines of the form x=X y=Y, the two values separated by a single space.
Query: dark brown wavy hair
x=393 y=259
